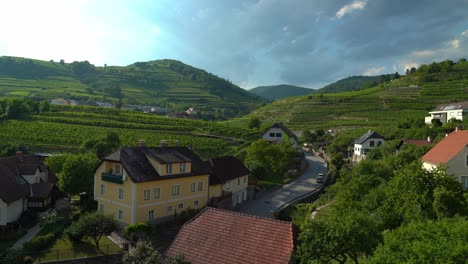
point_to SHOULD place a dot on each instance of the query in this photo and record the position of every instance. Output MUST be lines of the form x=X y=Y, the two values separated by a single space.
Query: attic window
x=168 y=168
x=272 y=134
x=278 y=135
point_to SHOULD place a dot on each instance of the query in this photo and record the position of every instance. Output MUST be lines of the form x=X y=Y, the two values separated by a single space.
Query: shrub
x=39 y=243
x=74 y=232
x=28 y=219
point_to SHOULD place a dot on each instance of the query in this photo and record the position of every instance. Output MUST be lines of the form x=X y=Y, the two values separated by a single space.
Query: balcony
x=112 y=177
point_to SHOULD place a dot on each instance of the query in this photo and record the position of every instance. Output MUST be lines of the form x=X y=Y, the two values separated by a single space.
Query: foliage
x=92 y=225
x=9 y=149
x=275 y=92
x=74 y=171
x=28 y=218
x=442 y=241
x=254 y=122
x=274 y=159
x=102 y=147
x=145 y=253
x=39 y=243
x=343 y=236
x=141 y=230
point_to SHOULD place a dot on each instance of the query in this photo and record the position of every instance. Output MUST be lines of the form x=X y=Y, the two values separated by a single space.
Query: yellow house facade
x=150 y=183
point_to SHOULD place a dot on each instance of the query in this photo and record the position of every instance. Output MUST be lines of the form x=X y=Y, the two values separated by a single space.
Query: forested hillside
x=274 y=92
x=352 y=83
x=164 y=83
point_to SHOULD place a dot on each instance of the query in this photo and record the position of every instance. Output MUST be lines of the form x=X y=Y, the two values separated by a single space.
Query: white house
x=451 y=152
x=448 y=111
x=365 y=143
x=279 y=132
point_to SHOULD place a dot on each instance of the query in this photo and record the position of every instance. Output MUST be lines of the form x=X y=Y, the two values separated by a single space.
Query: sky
x=308 y=43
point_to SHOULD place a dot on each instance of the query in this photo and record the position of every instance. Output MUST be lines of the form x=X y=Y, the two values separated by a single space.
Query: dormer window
x=118 y=169
x=168 y=168
x=182 y=167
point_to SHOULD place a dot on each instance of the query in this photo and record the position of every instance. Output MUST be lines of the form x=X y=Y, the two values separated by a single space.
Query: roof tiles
x=447 y=148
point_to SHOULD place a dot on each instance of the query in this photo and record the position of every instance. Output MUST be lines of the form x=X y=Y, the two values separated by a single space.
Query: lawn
x=271 y=182
x=65 y=249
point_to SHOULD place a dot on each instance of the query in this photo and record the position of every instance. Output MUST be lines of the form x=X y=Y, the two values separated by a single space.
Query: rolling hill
x=274 y=92
x=351 y=83
x=380 y=107
x=165 y=83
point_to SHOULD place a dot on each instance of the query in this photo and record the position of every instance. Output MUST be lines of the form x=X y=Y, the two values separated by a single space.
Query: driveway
x=263 y=206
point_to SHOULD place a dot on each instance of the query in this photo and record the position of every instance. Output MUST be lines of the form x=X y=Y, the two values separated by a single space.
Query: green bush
x=28 y=218
x=39 y=243
x=74 y=233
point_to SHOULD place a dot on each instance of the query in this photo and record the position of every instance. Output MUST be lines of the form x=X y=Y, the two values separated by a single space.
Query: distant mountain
x=274 y=92
x=165 y=83
x=352 y=83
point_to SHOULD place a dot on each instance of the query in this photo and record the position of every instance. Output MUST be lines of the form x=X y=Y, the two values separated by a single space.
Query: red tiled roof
x=217 y=236
x=418 y=142
x=447 y=148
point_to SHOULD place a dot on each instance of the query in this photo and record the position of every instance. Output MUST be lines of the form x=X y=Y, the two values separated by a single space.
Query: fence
x=71 y=253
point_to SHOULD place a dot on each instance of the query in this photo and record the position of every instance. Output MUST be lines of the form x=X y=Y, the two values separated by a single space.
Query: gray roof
x=367 y=136
x=224 y=169
x=452 y=106
x=135 y=162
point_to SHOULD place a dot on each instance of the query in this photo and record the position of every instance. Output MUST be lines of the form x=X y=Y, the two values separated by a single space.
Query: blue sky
x=250 y=42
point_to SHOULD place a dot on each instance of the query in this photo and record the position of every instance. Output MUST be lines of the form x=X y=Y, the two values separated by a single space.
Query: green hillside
x=274 y=92
x=351 y=83
x=380 y=107
x=165 y=83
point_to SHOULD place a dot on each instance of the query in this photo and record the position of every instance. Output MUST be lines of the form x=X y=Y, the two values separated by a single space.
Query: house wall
x=266 y=136
x=134 y=206
x=445 y=116
x=457 y=166
x=429 y=166
x=359 y=149
x=215 y=191
x=10 y=212
x=238 y=187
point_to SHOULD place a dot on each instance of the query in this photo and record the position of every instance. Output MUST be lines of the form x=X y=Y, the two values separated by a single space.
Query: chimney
x=163 y=143
x=456 y=129
x=429 y=139
x=142 y=143
x=20 y=155
x=175 y=143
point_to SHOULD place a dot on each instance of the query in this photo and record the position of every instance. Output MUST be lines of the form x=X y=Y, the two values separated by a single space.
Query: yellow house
x=138 y=184
x=229 y=177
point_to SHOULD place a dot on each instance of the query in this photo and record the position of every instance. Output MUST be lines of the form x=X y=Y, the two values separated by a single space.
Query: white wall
x=266 y=136
x=446 y=115
x=457 y=165
x=359 y=148
x=10 y=212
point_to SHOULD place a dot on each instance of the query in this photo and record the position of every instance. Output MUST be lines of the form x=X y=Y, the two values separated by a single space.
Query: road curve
x=306 y=183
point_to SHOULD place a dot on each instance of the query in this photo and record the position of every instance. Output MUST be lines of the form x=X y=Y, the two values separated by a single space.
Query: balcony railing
x=112 y=177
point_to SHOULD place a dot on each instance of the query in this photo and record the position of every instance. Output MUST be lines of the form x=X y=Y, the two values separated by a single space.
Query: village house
x=219 y=236
x=448 y=111
x=414 y=142
x=451 y=152
x=365 y=143
x=278 y=133
x=228 y=178
x=25 y=183
x=138 y=184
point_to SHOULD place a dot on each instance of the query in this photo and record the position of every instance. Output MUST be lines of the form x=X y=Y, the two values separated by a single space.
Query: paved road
x=269 y=202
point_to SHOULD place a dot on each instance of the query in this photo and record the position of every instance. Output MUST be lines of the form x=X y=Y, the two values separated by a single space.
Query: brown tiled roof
x=226 y=168
x=139 y=169
x=417 y=142
x=447 y=148
x=12 y=185
x=217 y=236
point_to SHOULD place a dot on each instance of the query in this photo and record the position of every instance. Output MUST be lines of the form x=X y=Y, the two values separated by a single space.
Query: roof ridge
x=248 y=215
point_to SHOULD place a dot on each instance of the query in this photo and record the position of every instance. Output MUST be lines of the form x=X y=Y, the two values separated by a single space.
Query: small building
x=228 y=178
x=218 y=236
x=365 y=143
x=25 y=183
x=414 y=142
x=451 y=152
x=278 y=133
x=138 y=184
x=448 y=111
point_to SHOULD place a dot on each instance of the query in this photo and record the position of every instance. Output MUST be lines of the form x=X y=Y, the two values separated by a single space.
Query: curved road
x=263 y=206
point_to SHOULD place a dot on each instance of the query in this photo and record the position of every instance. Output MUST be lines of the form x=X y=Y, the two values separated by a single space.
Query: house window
x=146 y=195
x=195 y=202
x=272 y=134
x=156 y=193
x=278 y=135
x=200 y=186
x=175 y=190
x=466 y=160
x=192 y=187
x=228 y=185
x=464 y=181
x=379 y=143
x=168 y=168
x=117 y=169
x=459 y=113
x=181 y=205
x=121 y=193
x=103 y=188
x=150 y=214
x=169 y=208
x=182 y=167
x=245 y=179
x=120 y=214
x=452 y=114
x=101 y=208
x=238 y=181
x=372 y=143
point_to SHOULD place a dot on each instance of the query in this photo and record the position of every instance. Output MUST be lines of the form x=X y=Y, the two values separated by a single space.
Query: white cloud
x=376 y=70
x=356 y=5
x=423 y=53
x=464 y=33
x=408 y=65
x=455 y=43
